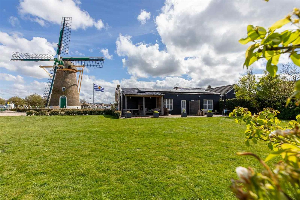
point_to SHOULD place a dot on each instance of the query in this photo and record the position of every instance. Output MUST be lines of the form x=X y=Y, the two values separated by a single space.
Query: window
x=208 y=104
x=168 y=103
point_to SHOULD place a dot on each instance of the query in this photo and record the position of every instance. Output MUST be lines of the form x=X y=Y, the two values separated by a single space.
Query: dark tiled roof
x=222 y=90
x=150 y=91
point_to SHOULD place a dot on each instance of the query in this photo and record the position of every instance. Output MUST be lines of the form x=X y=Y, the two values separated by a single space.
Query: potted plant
x=209 y=113
x=155 y=114
x=128 y=114
x=183 y=114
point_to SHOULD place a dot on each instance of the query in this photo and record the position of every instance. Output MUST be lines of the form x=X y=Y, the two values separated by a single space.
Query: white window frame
x=168 y=103
x=207 y=103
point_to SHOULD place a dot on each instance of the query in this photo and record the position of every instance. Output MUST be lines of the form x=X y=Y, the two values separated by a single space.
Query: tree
x=35 y=100
x=2 y=101
x=246 y=87
x=273 y=91
x=18 y=101
x=291 y=72
x=268 y=91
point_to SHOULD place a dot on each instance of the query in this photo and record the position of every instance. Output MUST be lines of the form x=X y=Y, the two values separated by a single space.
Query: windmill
x=63 y=86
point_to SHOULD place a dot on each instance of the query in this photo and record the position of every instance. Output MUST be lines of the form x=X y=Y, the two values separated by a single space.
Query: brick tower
x=65 y=92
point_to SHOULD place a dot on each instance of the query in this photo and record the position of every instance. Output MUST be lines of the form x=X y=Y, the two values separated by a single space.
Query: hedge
x=287 y=113
x=65 y=112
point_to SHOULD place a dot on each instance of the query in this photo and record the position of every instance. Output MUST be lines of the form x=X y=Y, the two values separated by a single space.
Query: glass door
x=183 y=106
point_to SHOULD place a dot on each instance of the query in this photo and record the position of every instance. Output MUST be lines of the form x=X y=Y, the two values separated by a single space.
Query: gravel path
x=12 y=113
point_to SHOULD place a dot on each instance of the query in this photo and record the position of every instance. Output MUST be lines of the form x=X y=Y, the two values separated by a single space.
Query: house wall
x=137 y=102
x=230 y=94
x=188 y=97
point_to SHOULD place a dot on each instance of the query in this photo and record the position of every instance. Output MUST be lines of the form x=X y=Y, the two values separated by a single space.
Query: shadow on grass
x=110 y=117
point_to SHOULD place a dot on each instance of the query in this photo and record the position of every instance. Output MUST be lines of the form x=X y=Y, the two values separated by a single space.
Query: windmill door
x=63 y=102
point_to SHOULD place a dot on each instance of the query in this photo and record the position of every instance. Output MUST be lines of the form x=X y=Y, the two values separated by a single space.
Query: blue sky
x=190 y=43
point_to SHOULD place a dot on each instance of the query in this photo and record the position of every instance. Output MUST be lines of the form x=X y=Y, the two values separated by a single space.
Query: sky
x=147 y=44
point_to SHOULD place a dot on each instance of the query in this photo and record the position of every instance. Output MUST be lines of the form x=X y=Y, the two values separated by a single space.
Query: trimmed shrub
x=41 y=112
x=63 y=112
x=117 y=114
x=54 y=112
x=29 y=113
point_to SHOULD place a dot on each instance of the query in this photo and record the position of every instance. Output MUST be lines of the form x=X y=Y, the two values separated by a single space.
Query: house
x=143 y=101
x=226 y=92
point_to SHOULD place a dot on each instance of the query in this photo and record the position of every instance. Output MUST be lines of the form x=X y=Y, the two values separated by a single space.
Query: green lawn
x=96 y=157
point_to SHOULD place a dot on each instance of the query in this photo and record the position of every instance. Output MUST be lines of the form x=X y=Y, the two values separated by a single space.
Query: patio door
x=183 y=106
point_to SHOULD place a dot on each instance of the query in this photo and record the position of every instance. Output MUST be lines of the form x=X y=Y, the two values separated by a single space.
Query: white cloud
x=144 y=16
x=99 y=24
x=200 y=39
x=14 y=21
x=39 y=21
x=77 y=53
x=53 y=10
x=22 y=89
x=106 y=54
x=16 y=43
x=110 y=86
x=144 y=60
x=9 y=77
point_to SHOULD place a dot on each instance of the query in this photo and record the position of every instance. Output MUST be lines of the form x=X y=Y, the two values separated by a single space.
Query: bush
x=54 y=112
x=63 y=112
x=231 y=104
x=288 y=113
x=41 y=112
x=117 y=114
x=29 y=112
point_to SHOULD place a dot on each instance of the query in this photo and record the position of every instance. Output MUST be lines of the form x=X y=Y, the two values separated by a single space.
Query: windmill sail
x=31 y=57
x=87 y=62
x=64 y=36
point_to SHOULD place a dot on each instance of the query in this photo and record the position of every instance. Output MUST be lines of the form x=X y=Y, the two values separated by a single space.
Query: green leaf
x=276 y=40
x=270 y=145
x=297 y=86
x=250 y=56
x=262 y=32
x=245 y=40
x=269 y=54
x=291 y=38
x=250 y=28
x=272 y=155
x=297 y=41
x=272 y=69
x=273 y=39
x=253 y=35
x=295 y=94
x=275 y=59
x=251 y=60
x=296 y=58
x=285 y=35
x=289 y=146
x=254 y=141
x=247 y=143
x=279 y=24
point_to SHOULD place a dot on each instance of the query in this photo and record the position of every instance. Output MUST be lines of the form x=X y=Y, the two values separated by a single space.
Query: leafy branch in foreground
x=284 y=181
x=270 y=44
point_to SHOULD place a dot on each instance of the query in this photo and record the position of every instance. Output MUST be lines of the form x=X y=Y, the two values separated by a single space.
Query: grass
x=96 y=157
